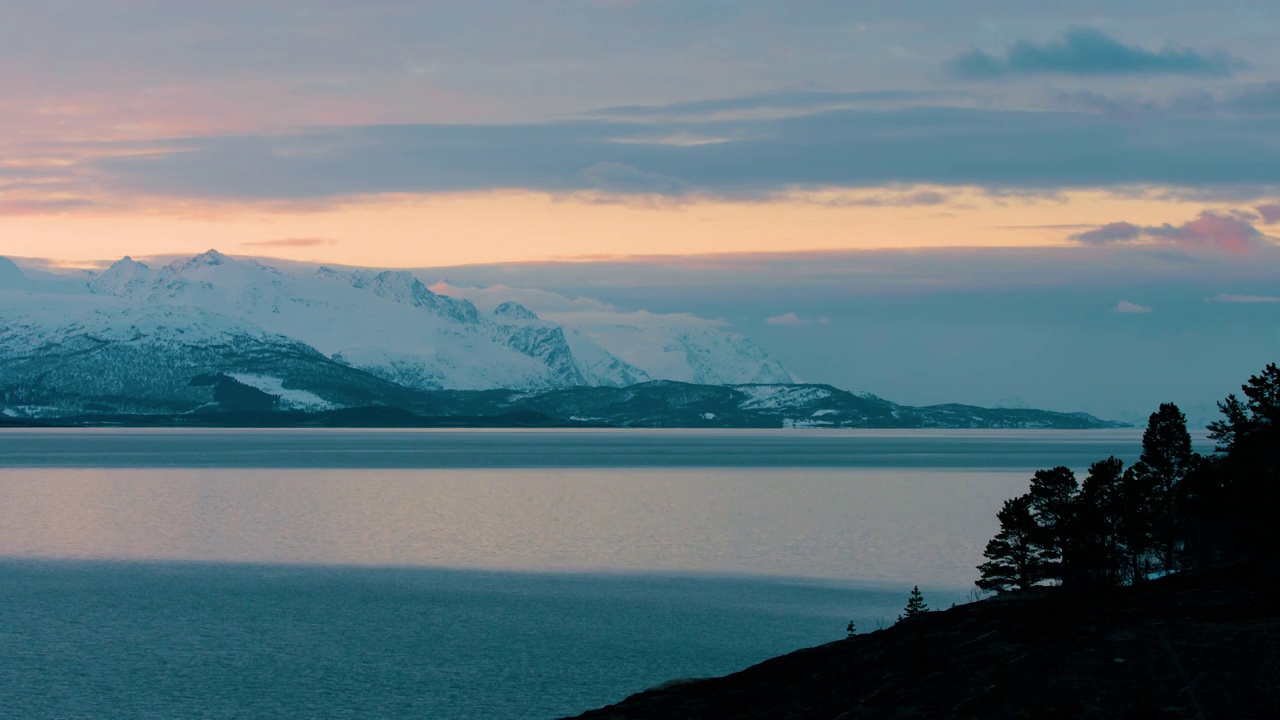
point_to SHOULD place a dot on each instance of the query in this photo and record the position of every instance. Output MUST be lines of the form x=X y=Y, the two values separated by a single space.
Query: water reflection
x=909 y=525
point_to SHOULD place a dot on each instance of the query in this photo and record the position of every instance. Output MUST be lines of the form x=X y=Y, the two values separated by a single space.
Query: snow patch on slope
x=290 y=399
x=774 y=396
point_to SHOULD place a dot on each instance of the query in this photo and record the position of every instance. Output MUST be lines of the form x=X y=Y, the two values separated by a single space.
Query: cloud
x=539 y=301
x=42 y=206
x=1109 y=233
x=792 y=319
x=635 y=318
x=1248 y=299
x=803 y=101
x=1257 y=99
x=847 y=148
x=911 y=198
x=290 y=242
x=1225 y=231
x=1246 y=100
x=1089 y=51
x=620 y=178
x=1270 y=213
x=1125 y=307
x=1211 y=229
x=576 y=311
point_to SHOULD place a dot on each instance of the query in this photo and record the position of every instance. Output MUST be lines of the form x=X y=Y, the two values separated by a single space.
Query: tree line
x=1173 y=510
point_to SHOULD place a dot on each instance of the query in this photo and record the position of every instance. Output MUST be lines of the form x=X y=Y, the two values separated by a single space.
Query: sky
x=1064 y=204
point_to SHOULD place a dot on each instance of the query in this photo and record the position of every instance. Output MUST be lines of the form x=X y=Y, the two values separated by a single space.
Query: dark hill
x=1191 y=646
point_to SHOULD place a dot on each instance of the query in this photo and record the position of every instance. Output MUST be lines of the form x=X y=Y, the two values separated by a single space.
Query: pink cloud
x=1211 y=229
x=1227 y=232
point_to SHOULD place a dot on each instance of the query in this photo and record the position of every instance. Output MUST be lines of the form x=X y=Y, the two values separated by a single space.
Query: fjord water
x=465 y=574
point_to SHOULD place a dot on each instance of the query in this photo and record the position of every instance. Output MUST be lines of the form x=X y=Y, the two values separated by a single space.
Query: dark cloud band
x=739 y=158
x=1088 y=51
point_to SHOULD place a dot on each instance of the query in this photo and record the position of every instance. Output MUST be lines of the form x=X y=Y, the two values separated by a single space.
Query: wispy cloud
x=850 y=148
x=1247 y=299
x=1089 y=51
x=1124 y=307
x=793 y=101
x=540 y=301
x=893 y=198
x=297 y=242
x=792 y=319
x=42 y=206
x=1242 y=100
x=623 y=179
x=1109 y=233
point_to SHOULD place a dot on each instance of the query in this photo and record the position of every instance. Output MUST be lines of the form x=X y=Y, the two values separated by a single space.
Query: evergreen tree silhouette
x=1248 y=468
x=1172 y=510
x=915 y=604
x=1053 y=494
x=1015 y=558
x=1134 y=499
x=1095 y=550
x=1166 y=461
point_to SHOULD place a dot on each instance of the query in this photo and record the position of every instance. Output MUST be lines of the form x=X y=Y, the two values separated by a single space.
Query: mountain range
x=209 y=335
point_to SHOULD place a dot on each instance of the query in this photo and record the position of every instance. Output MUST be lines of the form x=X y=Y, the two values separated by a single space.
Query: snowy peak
x=11 y=276
x=208 y=258
x=511 y=310
x=402 y=287
x=124 y=276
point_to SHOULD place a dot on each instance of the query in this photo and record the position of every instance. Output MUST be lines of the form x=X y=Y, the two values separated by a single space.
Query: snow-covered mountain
x=144 y=333
x=692 y=353
x=59 y=355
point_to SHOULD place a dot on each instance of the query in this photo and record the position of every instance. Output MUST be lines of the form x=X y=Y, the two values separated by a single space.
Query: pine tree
x=1053 y=495
x=1134 y=501
x=1249 y=469
x=850 y=631
x=915 y=604
x=1094 y=551
x=1166 y=461
x=1015 y=559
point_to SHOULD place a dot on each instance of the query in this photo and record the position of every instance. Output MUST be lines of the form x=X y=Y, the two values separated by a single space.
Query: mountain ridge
x=237 y=400
x=211 y=334
x=390 y=324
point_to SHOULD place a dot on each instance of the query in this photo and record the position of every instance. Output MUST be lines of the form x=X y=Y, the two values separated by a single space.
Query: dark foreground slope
x=1204 y=646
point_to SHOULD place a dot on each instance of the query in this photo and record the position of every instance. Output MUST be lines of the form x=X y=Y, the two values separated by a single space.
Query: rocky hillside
x=1202 y=646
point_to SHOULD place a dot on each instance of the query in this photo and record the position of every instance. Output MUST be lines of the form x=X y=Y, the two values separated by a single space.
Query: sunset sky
x=899 y=182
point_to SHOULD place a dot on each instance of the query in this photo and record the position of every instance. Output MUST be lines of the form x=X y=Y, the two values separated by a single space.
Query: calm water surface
x=460 y=574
